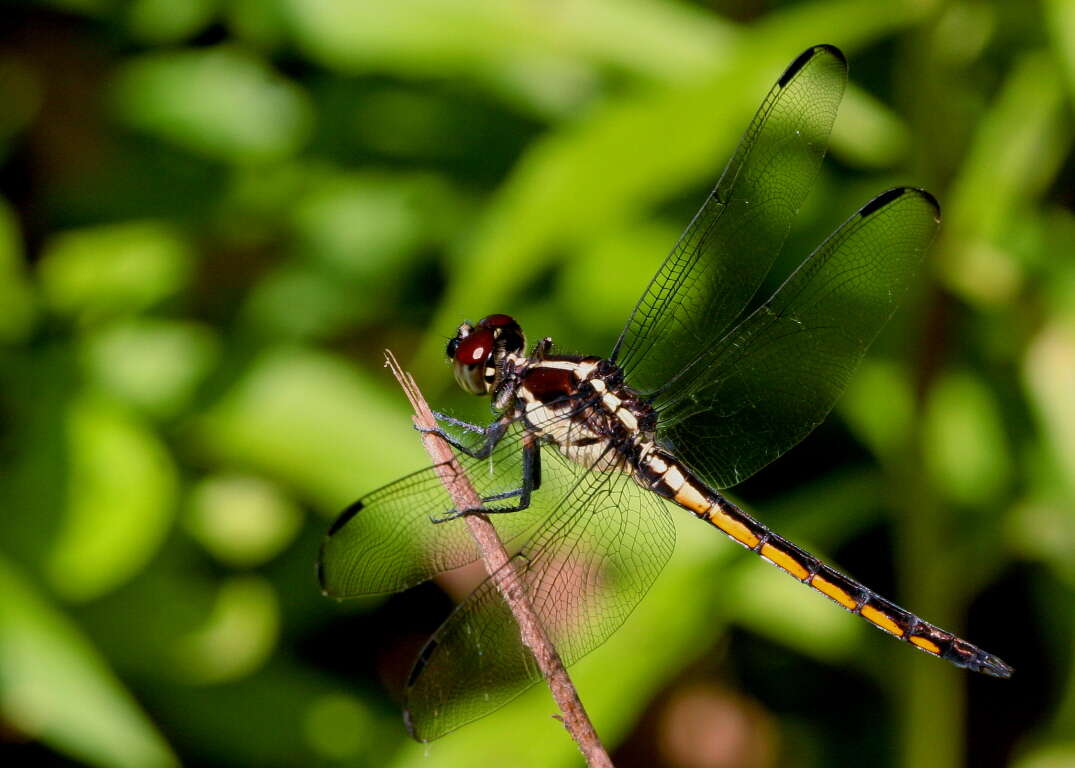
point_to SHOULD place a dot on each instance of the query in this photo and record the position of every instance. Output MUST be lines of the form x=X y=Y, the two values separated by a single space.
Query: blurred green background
x=216 y=214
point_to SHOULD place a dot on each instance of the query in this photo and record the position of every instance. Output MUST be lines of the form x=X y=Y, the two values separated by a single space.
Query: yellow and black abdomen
x=665 y=475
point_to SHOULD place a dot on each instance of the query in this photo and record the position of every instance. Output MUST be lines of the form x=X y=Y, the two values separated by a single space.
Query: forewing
x=584 y=571
x=775 y=377
x=387 y=540
x=718 y=263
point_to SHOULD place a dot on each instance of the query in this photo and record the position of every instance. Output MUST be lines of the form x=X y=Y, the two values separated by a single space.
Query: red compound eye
x=497 y=321
x=475 y=348
x=508 y=333
x=475 y=351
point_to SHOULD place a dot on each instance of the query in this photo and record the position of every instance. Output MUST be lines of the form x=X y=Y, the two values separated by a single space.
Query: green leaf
x=1015 y=154
x=338 y=726
x=1043 y=528
x=223 y=103
x=241 y=519
x=54 y=686
x=590 y=286
x=238 y=636
x=1049 y=378
x=884 y=430
x=547 y=66
x=169 y=21
x=354 y=238
x=152 y=365
x=1059 y=754
x=964 y=445
x=307 y=418
x=121 y=499
x=365 y=225
x=260 y=23
x=867 y=133
x=1060 y=23
x=115 y=269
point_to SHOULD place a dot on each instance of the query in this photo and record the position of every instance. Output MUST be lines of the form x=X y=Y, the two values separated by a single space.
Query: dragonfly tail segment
x=680 y=486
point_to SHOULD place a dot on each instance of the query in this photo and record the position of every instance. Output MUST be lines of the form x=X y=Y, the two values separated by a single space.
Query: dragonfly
x=704 y=386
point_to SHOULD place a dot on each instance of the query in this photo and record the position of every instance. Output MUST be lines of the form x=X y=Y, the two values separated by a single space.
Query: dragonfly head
x=478 y=351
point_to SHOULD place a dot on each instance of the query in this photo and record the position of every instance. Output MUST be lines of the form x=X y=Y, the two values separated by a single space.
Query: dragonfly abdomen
x=666 y=476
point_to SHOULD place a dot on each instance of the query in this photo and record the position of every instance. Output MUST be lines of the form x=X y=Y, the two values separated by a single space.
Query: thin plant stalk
x=497 y=565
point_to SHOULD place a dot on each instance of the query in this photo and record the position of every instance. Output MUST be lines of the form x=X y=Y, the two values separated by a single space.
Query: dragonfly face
x=477 y=352
x=730 y=390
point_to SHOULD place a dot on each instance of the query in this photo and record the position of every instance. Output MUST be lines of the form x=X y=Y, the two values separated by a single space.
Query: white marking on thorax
x=584 y=370
x=561 y=365
x=627 y=419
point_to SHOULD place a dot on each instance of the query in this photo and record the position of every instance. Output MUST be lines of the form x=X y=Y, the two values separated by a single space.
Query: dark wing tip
x=832 y=49
x=340 y=522
x=895 y=193
x=419 y=665
x=929 y=198
x=803 y=58
x=345 y=517
x=881 y=201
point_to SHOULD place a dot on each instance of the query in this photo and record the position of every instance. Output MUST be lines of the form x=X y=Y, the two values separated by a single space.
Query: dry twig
x=495 y=558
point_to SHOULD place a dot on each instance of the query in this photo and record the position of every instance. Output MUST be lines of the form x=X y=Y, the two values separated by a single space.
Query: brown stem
x=496 y=561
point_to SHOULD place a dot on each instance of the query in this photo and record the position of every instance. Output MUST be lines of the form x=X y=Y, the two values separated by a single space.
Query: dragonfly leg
x=458 y=423
x=531 y=481
x=490 y=436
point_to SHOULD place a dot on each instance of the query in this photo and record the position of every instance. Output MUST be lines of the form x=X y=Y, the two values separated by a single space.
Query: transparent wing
x=776 y=375
x=387 y=541
x=584 y=570
x=716 y=267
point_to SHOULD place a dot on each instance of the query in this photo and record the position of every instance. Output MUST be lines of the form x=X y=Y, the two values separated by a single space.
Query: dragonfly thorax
x=582 y=406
